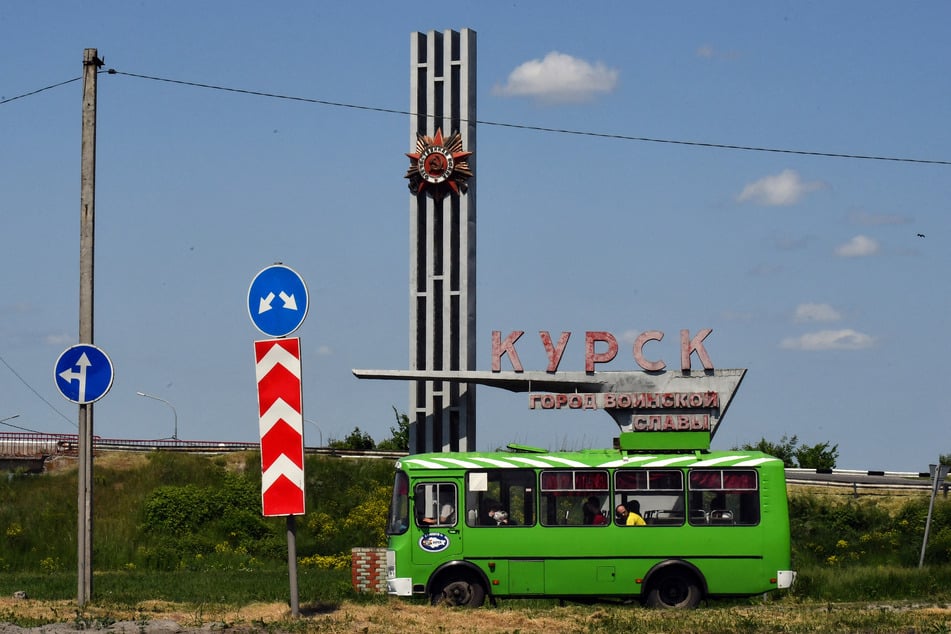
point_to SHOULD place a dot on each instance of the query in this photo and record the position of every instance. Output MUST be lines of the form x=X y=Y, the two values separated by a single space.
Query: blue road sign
x=83 y=373
x=277 y=301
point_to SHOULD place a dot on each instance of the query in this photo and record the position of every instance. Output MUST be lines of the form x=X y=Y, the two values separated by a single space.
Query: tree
x=399 y=440
x=785 y=450
x=819 y=456
x=357 y=440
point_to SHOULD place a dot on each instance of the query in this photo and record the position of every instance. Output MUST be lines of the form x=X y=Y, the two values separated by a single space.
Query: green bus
x=533 y=523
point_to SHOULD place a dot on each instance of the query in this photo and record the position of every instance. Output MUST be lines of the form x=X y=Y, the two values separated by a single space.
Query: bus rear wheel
x=461 y=593
x=676 y=589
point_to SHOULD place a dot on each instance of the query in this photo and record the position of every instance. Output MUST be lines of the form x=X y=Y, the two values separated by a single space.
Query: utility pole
x=939 y=472
x=87 y=229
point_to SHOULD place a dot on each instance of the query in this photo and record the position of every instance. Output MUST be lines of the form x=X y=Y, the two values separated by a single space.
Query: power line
x=30 y=387
x=257 y=93
x=600 y=135
x=39 y=90
x=32 y=431
x=515 y=126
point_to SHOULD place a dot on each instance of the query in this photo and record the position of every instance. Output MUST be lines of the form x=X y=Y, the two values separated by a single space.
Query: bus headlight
x=390 y=564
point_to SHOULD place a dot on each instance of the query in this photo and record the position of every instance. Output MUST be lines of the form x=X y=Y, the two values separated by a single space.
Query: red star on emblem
x=438 y=166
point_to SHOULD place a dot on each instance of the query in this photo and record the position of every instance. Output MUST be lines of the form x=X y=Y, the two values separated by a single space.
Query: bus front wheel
x=459 y=593
x=676 y=589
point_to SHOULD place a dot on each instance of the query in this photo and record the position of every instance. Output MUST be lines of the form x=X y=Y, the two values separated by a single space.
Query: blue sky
x=809 y=269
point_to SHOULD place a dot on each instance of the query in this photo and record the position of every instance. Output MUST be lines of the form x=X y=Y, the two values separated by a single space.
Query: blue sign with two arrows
x=277 y=301
x=83 y=373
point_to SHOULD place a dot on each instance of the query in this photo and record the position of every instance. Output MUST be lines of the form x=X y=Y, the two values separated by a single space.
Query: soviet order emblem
x=438 y=166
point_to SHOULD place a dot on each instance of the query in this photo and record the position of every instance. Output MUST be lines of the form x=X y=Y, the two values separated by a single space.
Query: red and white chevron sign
x=281 y=421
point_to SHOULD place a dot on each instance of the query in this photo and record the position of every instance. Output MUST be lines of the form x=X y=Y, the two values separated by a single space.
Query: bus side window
x=724 y=497
x=511 y=491
x=574 y=497
x=658 y=492
x=435 y=504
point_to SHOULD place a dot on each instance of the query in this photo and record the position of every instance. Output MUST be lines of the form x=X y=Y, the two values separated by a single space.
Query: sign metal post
x=277 y=305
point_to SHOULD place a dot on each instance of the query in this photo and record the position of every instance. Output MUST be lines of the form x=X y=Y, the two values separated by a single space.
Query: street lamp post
x=174 y=412
x=307 y=420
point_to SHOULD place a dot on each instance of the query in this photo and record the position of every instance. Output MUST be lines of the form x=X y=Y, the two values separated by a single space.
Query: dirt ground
x=63 y=617
x=163 y=618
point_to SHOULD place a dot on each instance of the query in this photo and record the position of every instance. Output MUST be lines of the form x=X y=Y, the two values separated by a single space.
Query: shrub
x=327 y=562
x=864 y=532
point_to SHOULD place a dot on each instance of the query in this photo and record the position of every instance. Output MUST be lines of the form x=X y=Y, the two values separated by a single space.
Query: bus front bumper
x=785 y=578
x=400 y=586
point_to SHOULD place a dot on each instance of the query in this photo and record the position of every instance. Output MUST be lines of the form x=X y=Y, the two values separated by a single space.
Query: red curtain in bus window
x=701 y=479
x=739 y=480
x=591 y=481
x=630 y=480
x=666 y=481
x=557 y=481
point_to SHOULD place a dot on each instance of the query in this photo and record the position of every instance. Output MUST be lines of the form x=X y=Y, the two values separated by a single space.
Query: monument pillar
x=442 y=245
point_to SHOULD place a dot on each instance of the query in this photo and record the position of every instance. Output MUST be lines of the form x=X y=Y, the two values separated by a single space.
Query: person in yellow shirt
x=632 y=516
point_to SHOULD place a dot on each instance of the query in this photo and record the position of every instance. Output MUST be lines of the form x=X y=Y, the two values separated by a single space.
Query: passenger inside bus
x=435 y=504
x=446 y=516
x=630 y=517
x=495 y=516
x=592 y=512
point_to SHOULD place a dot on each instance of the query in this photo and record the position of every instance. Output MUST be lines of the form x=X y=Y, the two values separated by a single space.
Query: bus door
x=436 y=522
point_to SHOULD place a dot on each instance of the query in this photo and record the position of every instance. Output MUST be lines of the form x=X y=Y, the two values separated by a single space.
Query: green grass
x=329 y=605
x=874 y=583
x=166 y=511
x=187 y=528
x=216 y=586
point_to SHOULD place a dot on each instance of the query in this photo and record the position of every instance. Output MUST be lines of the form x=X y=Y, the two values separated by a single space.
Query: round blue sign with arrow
x=277 y=301
x=83 y=373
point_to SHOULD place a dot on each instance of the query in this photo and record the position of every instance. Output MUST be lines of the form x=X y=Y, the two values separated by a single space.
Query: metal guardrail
x=891 y=474
x=861 y=479
x=33 y=445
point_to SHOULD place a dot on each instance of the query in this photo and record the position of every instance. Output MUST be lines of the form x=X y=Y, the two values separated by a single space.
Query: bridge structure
x=29 y=451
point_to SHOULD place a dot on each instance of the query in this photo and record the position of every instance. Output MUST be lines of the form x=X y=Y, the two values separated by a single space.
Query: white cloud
x=793 y=243
x=61 y=339
x=324 y=351
x=846 y=339
x=559 y=78
x=17 y=308
x=783 y=189
x=630 y=336
x=736 y=315
x=867 y=219
x=708 y=52
x=764 y=269
x=857 y=247
x=815 y=312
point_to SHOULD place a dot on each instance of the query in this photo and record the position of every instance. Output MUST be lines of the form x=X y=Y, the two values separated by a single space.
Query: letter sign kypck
x=281 y=418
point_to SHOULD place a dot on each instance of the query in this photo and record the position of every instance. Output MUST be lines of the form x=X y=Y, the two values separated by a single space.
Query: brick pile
x=368 y=570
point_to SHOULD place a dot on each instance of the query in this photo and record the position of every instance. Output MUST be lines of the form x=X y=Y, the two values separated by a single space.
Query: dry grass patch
x=511 y=616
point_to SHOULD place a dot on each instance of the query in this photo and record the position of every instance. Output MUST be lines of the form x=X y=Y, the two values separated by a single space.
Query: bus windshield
x=399 y=506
